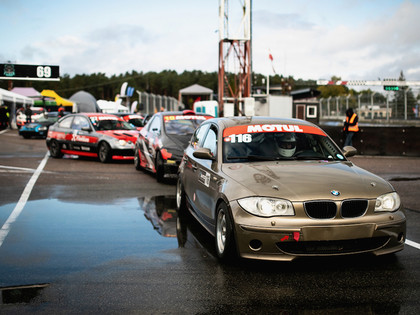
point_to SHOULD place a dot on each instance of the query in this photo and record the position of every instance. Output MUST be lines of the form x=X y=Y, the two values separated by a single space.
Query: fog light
x=401 y=238
x=255 y=245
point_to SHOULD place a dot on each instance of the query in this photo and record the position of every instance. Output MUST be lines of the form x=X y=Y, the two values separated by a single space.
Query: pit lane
x=98 y=237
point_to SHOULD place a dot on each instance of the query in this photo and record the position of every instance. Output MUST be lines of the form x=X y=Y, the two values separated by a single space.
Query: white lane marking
x=18 y=168
x=4 y=231
x=411 y=243
x=3 y=131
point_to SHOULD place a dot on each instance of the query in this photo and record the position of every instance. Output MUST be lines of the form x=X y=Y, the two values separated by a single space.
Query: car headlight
x=42 y=128
x=267 y=207
x=388 y=202
x=124 y=142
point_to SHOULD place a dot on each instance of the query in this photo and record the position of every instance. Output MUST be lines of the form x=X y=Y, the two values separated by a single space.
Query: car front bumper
x=287 y=238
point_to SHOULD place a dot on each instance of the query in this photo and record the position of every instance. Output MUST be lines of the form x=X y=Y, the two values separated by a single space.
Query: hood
x=128 y=135
x=305 y=180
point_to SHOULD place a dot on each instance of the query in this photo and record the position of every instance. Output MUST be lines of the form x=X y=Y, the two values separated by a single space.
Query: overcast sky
x=352 y=39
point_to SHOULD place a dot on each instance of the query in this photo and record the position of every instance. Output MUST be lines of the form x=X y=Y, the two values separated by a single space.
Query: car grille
x=333 y=247
x=321 y=209
x=353 y=208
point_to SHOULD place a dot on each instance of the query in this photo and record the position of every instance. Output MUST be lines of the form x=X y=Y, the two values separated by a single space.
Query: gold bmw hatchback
x=279 y=189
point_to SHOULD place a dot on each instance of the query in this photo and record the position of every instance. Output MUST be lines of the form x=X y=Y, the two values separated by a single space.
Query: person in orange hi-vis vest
x=350 y=127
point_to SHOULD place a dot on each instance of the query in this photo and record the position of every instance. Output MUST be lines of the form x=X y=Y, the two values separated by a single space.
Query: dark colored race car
x=279 y=189
x=135 y=119
x=39 y=128
x=161 y=143
x=105 y=136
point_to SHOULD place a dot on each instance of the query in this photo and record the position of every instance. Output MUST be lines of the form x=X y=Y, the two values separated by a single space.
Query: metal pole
x=328 y=106
x=387 y=107
x=405 y=103
x=358 y=102
x=371 y=103
x=336 y=105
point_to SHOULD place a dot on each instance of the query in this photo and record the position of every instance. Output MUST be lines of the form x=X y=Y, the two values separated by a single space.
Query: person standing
x=28 y=113
x=351 y=127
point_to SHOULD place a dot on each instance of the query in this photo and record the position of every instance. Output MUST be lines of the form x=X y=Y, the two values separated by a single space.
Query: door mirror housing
x=203 y=153
x=349 y=151
x=87 y=129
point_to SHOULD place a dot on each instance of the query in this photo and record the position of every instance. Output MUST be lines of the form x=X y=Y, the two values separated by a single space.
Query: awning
x=14 y=98
x=58 y=99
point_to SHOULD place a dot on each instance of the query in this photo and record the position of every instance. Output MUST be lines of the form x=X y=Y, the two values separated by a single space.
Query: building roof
x=195 y=89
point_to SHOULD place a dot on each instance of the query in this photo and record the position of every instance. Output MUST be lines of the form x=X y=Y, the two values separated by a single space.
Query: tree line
x=169 y=82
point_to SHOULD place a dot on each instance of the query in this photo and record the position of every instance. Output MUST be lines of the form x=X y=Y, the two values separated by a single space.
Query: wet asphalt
x=105 y=238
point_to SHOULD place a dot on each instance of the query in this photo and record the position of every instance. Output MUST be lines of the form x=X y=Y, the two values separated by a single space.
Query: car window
x=110 y=123
x=66 y=122
x=198 y=136
x=80 y=122
x=277 y=142
x=183 y=124
x=155 y=125
x=211 y=141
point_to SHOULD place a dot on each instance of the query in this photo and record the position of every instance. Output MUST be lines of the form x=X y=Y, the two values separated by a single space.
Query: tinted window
x=182 y=124
x=110 y=123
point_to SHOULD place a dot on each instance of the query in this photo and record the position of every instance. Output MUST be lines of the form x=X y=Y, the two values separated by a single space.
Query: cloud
x=380 y=47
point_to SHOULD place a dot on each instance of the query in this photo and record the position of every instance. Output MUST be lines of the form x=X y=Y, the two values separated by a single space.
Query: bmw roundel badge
x=335 y=192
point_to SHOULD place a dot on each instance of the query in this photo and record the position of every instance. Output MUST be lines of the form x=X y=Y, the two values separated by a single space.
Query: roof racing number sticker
x=244 y=133
x=184 y=117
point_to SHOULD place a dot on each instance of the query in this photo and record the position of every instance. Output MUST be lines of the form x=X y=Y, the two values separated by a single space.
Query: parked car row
x=265 y=188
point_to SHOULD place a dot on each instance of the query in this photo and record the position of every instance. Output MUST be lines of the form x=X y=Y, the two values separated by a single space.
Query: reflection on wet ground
x=124 y=257
x=21 y=294
x=161 y=212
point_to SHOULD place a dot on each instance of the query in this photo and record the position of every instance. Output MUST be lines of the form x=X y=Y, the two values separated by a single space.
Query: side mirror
x=87 y=129
x=349 y=151
x=203 y=153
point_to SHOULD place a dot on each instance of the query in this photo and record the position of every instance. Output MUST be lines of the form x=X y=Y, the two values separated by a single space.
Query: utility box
x=207 y=107
x=273 y=106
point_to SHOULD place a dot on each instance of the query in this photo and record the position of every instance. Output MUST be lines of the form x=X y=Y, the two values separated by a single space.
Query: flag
x=270 y=56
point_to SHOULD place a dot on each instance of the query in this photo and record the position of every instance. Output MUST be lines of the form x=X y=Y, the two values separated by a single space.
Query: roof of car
x=225 y=122
x=97 y=115
x=184 y=112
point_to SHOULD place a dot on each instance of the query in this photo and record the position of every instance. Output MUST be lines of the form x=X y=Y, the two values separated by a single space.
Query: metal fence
x=151 y=103
x=373 y=106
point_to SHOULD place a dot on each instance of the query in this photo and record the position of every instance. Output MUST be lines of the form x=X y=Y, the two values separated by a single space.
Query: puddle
x=21 y=294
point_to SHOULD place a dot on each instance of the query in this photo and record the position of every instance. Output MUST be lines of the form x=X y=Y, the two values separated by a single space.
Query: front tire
x=224 y=236
x=104 y=152
x=137 y=164
x=55 y=149
x=160 y=172
x=181 y=203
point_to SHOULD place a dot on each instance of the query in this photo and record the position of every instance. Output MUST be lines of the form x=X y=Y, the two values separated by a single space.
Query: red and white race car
x=104 y=136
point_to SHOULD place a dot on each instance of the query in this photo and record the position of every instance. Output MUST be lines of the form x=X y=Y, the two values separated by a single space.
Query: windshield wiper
x=253 y=157
x=311 y=158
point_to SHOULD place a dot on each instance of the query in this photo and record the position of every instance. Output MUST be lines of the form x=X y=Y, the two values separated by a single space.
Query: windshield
x=182 y=124
x=277 y=142
x=110 y=123
x=138 y=122
x=45 y=118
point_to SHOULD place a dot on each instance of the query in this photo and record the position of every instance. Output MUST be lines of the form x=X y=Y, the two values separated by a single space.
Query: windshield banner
x=246 y=129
